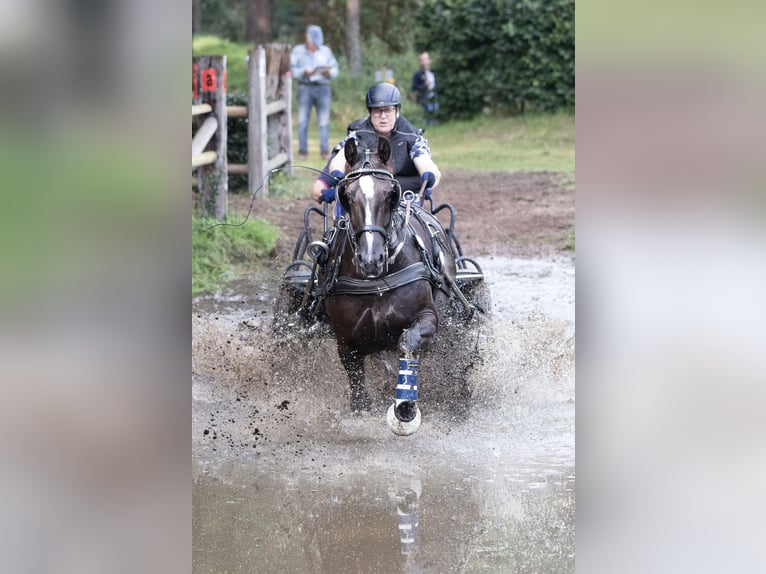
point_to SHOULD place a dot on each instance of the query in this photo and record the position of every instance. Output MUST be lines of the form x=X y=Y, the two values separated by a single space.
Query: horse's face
x=370 y=196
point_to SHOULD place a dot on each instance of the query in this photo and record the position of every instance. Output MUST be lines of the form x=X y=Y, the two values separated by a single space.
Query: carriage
x=385 y=275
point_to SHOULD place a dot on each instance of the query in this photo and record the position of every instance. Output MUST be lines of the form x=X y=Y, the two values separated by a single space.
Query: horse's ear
x=350 y=151
x=384 y=150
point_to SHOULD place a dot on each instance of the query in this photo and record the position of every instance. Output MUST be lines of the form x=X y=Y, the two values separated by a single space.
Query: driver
x=411 y=156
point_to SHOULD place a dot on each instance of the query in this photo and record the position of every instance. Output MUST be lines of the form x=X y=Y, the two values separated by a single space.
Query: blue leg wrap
x=407 y=383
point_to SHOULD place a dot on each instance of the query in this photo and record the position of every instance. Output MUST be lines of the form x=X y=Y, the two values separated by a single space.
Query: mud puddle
x=285 y=480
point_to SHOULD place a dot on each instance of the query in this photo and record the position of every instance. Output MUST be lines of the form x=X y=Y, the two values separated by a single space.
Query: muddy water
x=285 y=480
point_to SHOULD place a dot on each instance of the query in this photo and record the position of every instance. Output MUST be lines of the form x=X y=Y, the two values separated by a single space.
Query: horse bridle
x=375 y=172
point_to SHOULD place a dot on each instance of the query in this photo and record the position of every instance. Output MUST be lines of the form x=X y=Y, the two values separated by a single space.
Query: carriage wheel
x=300 y=246
x=457 y=250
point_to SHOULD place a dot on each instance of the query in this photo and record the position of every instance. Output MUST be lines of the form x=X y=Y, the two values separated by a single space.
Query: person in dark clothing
x=411 y=156
x=424 y=88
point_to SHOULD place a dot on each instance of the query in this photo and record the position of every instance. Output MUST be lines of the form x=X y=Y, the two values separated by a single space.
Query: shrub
x=504 y=55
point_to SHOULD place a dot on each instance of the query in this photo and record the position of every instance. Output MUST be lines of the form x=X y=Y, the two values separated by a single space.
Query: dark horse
x=383 y=278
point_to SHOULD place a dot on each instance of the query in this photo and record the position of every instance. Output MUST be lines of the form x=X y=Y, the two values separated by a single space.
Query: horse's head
x=370 y=196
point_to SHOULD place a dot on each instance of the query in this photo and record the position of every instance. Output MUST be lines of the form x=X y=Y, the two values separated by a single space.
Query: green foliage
x=224 y=18
x=387 y=21
x=217 y=248
x=506 y=55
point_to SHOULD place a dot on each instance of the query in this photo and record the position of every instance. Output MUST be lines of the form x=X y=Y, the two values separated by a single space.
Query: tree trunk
x=259 y=15
x=352 y=37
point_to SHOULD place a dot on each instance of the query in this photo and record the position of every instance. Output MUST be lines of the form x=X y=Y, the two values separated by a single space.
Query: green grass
x=219 y=250
x=486 y=143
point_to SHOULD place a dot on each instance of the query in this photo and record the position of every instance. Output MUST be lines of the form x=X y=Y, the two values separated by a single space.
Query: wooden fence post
x=209 y=87
x=257 y=149
x=279 y=89
x=269 y=108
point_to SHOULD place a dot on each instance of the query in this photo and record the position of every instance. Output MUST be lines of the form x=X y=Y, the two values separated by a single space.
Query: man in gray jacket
x=313 y=65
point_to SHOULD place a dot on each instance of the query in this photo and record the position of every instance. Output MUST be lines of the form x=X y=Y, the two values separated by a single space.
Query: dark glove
x=430 y=180
x=338 y=175
x=328 y=194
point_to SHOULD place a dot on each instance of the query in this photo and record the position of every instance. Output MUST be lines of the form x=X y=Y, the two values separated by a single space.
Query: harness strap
x=345 y=285
x=371 y=229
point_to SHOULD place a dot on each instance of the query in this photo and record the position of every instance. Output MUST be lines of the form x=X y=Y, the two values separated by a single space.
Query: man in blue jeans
x=313 y=65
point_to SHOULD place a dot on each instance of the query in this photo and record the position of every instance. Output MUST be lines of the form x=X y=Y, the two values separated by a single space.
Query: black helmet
x=382 y=95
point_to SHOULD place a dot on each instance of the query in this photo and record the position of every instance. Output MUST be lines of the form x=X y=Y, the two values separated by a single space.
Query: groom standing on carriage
x=411 y=155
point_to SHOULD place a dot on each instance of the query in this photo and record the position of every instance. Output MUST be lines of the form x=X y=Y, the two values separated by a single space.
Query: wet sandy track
x=285 y=480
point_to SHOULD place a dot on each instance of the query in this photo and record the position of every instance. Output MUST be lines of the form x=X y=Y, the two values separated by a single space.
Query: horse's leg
x=404 y=416
x=353 y=362
x=420 y=335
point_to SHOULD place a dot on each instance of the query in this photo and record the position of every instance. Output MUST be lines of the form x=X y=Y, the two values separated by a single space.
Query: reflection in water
x=443 y=520
x=407 y=512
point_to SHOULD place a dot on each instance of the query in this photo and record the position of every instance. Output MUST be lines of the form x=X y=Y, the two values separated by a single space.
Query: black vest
x=402 y=138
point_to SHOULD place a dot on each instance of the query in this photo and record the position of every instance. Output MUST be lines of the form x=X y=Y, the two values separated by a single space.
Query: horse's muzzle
x=371 y=265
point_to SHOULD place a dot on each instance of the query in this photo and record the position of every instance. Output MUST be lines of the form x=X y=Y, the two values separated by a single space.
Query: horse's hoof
x=406 y=411
x=400 y=427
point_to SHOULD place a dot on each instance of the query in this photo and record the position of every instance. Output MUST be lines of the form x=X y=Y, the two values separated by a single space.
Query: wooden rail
x=201 y=109
x=203 y=136
x=204 y=158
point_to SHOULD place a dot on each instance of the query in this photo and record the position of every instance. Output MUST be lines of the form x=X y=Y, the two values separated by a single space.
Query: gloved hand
x=338 y=175
x=430 y=180
x=328 y=194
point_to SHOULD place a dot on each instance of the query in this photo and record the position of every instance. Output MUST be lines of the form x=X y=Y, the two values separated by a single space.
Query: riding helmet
x=382 y=95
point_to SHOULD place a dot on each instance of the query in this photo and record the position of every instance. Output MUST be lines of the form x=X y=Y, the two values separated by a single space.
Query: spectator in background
x=424 y=88
x=313 y=65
